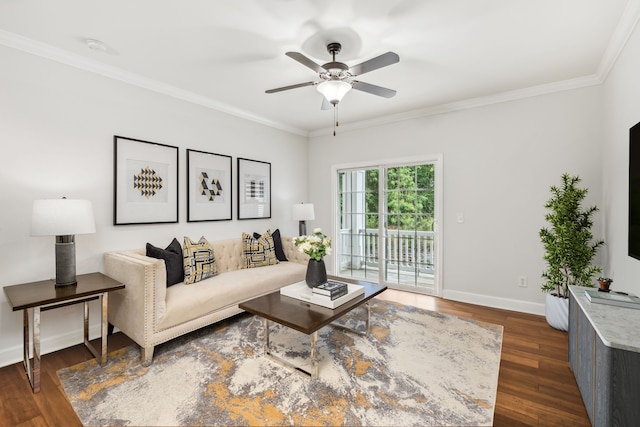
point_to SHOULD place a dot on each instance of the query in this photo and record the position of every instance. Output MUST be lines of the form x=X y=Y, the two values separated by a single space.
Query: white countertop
x=617 y=327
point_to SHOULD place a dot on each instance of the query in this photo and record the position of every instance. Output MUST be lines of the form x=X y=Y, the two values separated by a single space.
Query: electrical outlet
x=522 y=281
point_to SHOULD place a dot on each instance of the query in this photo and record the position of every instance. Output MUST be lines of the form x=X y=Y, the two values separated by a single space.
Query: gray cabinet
x=605 y=358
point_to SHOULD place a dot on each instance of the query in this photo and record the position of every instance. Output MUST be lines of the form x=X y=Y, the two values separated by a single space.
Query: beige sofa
x=151 y=313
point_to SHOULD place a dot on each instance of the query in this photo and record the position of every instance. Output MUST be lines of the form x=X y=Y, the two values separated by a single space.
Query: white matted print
x=145 y=182
x=208 y=186
x=254 y=189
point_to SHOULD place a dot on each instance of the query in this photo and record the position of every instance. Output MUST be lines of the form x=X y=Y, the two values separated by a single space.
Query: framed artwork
x=254 y=189
x=145 y=182
x=208 y=186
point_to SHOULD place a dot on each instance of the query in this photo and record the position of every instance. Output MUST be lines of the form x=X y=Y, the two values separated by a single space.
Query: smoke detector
x=96 y=45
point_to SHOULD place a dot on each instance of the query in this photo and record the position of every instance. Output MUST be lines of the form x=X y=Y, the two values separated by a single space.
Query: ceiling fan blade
x=373 y=89
x=280 y=89
x=305 y=61
x=326 y=105
x=374 y=63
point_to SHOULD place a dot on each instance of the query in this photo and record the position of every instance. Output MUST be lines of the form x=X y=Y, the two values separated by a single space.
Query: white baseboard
x=495 y=302
x=11 y=355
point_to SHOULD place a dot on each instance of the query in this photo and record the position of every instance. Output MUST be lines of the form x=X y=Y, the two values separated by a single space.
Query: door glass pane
x=358 y=211
x=409 y=227
x=371 y=188
x=392 y=178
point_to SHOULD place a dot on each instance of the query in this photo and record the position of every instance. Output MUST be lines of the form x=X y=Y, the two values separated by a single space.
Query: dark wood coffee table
x=307 y=318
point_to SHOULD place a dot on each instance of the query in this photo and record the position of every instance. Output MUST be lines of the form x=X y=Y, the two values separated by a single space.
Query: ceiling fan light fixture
x=334 y=90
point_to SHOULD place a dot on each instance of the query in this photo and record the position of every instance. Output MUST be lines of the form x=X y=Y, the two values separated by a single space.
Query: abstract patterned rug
x=417 y=367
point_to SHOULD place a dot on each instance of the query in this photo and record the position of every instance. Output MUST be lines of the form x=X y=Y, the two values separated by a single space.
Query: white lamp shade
x=334 y=90
x=61 y=217
x=303 y=212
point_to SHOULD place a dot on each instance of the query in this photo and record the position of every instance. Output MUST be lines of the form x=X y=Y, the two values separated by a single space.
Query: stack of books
x=620 y=299
x=302 y=292
x=331 y=289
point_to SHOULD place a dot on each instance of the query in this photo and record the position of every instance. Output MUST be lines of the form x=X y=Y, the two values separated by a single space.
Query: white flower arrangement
x=316 y=245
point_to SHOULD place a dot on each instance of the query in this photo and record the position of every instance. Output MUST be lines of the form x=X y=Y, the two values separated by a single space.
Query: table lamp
x=63 y=218
x=303 y=212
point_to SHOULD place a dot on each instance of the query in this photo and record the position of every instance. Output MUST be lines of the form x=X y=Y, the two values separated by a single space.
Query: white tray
x=303 y=292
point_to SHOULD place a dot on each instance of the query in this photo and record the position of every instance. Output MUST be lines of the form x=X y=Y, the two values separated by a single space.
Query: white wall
x=499 y=162
x=56 y=132
x=622 y=111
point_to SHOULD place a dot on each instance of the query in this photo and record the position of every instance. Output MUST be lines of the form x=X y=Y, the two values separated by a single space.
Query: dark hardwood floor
x=535 y=386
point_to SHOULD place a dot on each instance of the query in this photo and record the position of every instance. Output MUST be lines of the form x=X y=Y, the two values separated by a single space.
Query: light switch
x=460 y=217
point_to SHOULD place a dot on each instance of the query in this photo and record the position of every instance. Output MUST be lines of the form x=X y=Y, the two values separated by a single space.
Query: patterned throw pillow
x=199 y=261
x=277 y=243
x=258 y=252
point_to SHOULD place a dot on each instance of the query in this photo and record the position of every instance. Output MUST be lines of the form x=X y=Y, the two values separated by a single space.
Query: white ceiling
x=225 y=54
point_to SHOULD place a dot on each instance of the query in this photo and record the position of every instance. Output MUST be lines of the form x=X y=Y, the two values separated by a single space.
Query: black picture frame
x=254 y=189
x=209 y=186
x=145 y=182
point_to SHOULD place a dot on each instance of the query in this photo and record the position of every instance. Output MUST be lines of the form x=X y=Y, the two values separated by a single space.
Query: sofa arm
x=136 y=308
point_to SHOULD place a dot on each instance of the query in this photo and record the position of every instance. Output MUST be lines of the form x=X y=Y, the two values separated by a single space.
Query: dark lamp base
x=65 y=261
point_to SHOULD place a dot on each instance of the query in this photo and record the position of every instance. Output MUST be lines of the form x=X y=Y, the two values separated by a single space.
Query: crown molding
x=44 y=50
x=466 y=104
x=626 y=26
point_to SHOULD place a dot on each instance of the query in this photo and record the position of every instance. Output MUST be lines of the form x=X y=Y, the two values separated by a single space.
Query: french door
x=387 y=224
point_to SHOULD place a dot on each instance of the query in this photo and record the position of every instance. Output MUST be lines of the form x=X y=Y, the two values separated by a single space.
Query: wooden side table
x=44 y=295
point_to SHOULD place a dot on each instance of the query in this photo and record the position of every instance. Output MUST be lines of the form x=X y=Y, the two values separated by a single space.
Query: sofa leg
x=147 y=356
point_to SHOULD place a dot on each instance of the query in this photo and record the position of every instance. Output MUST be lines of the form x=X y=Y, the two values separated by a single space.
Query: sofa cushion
x=225 y=290
x=172 y=256
x=258 y=252
x=199 y=261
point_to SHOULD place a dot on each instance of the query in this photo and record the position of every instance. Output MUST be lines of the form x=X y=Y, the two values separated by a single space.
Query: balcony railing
x=406 y=250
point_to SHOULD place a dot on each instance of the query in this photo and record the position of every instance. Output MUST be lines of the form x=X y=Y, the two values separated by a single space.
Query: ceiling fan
x=336 y=78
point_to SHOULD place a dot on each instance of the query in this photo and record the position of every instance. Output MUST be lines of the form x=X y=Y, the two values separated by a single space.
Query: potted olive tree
x=569 y=248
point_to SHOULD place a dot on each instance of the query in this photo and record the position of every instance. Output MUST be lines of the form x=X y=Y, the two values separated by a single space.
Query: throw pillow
x=258 y=252
x=199 y=261
x=172 y=256
x=277 y=242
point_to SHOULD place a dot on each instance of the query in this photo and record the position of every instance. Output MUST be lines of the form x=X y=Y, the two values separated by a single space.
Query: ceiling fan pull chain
x=335 y=118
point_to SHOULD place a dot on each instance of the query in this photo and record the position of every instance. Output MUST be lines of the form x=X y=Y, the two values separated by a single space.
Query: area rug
x=416 y=367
